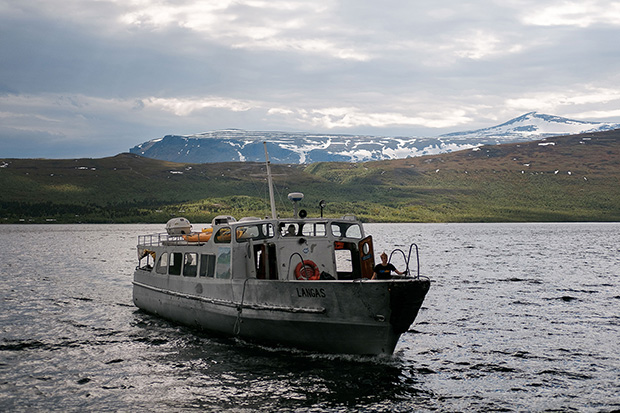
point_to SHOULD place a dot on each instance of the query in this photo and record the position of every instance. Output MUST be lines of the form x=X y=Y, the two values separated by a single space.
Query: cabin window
x=174 y=266
x=146 y=260
x=207 y=265
x=314 y=230
x=190 y=264
x=222 y=236
x=245 y=233
x=162 y=264
x=289 y=229
x=222 y=267
x=346 y=229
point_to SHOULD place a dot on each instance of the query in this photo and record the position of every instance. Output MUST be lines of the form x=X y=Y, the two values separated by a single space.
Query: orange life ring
x=307 y=270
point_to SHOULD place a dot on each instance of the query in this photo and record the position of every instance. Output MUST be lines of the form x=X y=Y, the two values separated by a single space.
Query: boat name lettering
x=311 y=292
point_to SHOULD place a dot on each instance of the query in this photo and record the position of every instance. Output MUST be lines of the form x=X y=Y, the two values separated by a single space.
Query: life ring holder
x=307 y=270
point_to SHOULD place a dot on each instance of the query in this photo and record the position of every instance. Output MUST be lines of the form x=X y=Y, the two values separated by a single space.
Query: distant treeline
x=574 y=178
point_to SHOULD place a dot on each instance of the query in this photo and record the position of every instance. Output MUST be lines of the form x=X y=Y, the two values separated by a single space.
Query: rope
x=238 y=321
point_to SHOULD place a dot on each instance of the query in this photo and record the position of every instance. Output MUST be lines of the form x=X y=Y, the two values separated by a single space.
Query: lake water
x=520 y=317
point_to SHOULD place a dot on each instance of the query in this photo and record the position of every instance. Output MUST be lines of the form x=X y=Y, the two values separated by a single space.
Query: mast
x=270 y=183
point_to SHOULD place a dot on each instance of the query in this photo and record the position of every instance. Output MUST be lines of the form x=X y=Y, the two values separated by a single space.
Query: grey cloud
x=460 y=65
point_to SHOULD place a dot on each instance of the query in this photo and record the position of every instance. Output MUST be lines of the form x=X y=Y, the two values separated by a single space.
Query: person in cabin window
x=384 y=270
x=291 y=231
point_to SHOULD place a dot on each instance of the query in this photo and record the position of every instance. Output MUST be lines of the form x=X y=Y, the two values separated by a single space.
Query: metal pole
x=270 y=183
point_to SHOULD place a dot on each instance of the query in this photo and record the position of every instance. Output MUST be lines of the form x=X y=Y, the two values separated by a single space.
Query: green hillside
x=573 y=178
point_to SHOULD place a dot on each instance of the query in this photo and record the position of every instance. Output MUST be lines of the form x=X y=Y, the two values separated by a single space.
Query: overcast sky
x=81 y=78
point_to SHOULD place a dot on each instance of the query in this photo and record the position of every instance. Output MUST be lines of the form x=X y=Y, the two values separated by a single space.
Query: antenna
x=270 y=183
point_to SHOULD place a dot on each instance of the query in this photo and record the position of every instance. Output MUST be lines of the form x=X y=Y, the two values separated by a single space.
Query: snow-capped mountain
x=532 y=126
x=288 y=147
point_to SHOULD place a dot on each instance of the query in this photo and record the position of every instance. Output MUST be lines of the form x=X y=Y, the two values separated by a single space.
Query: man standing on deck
x=384 y=270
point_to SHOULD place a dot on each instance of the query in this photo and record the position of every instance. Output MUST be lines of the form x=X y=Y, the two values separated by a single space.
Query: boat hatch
x=223 y=220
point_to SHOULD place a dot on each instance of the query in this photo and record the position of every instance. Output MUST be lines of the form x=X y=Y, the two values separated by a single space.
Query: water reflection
x=231 y=373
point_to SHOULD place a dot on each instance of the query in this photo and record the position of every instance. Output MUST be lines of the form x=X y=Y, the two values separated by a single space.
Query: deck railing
x=155 y=240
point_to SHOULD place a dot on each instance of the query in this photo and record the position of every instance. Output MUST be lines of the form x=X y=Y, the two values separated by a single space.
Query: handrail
x=407 y=258
x=288 y=274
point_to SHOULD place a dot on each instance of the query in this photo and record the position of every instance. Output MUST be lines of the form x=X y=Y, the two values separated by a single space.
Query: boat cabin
x=266 y=249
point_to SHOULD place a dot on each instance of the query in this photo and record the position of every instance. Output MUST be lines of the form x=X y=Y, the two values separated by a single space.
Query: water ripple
x=514 y=321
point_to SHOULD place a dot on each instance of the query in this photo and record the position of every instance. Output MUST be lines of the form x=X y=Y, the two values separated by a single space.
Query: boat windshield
x=266 y=230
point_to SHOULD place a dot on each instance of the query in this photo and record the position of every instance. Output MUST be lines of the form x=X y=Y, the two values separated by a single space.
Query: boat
x=298 y=282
